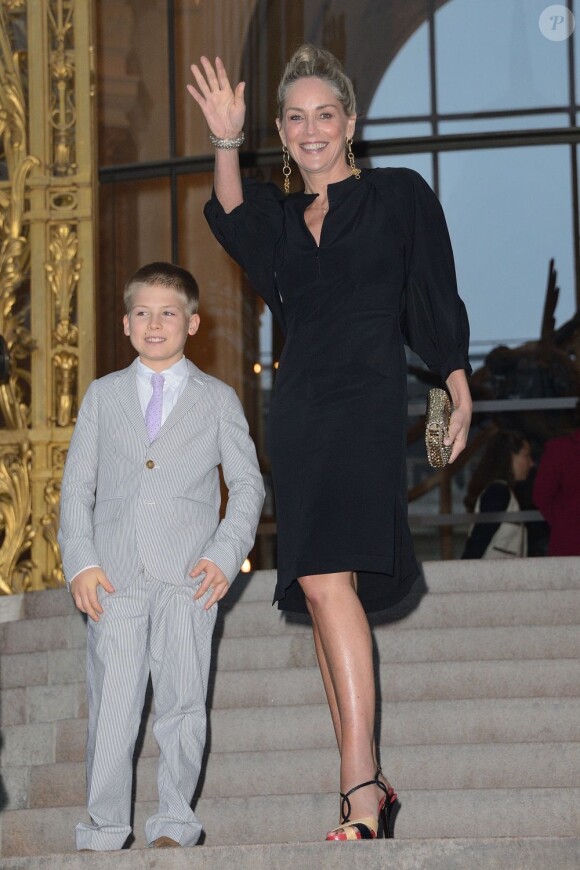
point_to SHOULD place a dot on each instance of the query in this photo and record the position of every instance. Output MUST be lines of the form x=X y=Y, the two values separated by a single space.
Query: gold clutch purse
x=439 y=410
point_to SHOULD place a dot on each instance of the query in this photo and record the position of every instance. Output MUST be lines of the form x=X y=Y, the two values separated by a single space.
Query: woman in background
x=506 y=460
x=557 y=491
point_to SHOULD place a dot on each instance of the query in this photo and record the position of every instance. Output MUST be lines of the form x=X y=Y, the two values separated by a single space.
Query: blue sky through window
x=509 y=210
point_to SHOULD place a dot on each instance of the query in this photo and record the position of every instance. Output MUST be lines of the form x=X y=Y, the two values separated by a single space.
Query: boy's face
x=158 y=325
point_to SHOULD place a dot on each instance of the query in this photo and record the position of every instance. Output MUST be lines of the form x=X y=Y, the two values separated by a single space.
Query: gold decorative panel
x=47 y=196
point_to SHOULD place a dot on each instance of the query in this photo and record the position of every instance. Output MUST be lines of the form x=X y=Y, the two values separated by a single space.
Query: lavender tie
x=154 y=410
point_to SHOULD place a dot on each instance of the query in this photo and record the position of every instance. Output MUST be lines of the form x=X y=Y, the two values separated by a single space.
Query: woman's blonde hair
x=309 y=60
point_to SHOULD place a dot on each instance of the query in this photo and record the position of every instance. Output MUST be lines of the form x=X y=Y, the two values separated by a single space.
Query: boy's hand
x=214 y=579
x=84 y=591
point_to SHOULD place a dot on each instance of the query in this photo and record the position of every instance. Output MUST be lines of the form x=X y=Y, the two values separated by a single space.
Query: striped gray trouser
x=149 y=627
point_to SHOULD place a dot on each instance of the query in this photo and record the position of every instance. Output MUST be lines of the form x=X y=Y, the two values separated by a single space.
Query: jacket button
x=150 y=463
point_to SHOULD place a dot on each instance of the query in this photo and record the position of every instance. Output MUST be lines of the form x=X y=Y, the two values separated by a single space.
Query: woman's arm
x=224 y=110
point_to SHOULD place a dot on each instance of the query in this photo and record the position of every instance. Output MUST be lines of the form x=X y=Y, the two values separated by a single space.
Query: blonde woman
x=352 y=267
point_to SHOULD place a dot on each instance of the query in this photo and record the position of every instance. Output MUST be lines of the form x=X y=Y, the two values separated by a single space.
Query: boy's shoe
x=164 y=843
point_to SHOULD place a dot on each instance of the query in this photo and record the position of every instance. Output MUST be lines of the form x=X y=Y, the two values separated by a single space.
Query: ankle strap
x=345 y=802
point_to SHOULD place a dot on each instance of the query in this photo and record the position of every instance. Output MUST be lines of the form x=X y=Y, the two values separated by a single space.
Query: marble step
x=52 y=664
x=475 y=575
x=257 y=619
x=453 y=609
x=479 y=643
x=417 y=681
x=402 y=723
x=439 y=577
x=460 y=813
x=307 y=771
x=517 y=853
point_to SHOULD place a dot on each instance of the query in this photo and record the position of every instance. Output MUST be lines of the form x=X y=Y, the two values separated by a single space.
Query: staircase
x=479 y=721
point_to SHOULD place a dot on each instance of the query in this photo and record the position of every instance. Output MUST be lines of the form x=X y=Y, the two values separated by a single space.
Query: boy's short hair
x=167 y=275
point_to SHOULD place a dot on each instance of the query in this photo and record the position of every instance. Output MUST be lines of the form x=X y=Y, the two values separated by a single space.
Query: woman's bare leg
x=343 y=642
x=326 y=679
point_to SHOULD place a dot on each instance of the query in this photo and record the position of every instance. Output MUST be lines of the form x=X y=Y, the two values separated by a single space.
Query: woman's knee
x=327 y=590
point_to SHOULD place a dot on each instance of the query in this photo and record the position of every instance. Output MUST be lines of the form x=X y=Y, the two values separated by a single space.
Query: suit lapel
x=191 y=394
x=126 y=387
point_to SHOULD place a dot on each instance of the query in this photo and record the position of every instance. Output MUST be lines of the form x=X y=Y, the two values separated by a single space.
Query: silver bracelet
x=227 y=143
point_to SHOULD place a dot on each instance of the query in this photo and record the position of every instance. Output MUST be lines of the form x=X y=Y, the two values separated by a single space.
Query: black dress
x=382 y=276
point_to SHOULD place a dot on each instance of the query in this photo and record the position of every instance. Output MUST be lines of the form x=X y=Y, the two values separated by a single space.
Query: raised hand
x=224 y=109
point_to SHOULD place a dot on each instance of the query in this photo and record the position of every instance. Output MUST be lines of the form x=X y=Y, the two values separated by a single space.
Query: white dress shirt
x=175 y=379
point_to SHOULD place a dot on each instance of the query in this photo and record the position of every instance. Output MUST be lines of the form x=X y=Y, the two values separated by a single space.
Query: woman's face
x=522 y=462
x=314 y=127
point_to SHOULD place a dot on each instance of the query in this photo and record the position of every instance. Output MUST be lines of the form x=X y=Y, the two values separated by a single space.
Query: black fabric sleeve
x=250 y=233
x=434 y=320
x=494 y=498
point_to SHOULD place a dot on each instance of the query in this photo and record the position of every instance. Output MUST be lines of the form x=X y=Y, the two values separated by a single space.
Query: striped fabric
x=157 y=627
x=146 y=513
x=126 y=502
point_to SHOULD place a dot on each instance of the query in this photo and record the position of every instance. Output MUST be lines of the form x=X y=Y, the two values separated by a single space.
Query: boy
x=147 y=557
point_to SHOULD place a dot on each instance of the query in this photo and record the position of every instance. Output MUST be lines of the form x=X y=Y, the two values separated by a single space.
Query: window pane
x=405 y=89
x=509 y=211
x=227 y=342
x=396 y=131
x=134 y=229
x=133 y=81
x=576 y=38
x=219 y=27
x=492 y=55
x=517 y=122
x=421 y=163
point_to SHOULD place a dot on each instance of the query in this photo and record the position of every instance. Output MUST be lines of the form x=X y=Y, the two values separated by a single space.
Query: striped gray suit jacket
x=127 y=504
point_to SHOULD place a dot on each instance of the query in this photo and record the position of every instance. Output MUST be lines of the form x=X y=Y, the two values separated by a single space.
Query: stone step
x=482 y=643
x=38 y=635
x=27 y=705
x=534 y=853
x=273 y=687
x=257 y=618
x=454 y=609
x=499 y=575
x=39 y=671
x=307 y=771
x=478 y=678
x=420 y=681
x=482 y=575
x=438 y=577
x=464 y=575
x=403 y=723
x=465 y=813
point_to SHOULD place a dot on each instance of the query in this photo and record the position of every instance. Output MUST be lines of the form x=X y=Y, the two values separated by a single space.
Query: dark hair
x=167 y=275
x=308 y=60
x=494 y=464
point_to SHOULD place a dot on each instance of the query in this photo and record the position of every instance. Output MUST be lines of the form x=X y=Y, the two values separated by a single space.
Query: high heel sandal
x=388 y=808
x=366 y=828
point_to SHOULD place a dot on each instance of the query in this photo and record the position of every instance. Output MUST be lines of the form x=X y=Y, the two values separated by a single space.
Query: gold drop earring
x=350 y=156
x=286 y=169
